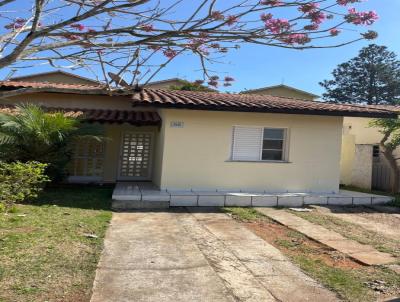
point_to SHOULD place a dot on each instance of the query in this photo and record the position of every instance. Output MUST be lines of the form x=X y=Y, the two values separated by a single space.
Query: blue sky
x=257 y=66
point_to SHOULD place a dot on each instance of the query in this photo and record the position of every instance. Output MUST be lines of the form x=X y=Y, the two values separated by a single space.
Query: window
x=375 y=151
x=87 y=159
x=273 y=143
x=259 y=144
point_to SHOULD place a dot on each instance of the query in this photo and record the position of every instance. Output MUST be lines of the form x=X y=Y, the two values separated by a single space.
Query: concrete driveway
x=195 y=254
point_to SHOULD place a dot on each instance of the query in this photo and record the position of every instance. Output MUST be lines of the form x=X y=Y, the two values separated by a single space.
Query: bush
x=20 y=182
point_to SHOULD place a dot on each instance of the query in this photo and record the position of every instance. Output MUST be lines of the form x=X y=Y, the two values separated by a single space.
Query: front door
x=135 y=156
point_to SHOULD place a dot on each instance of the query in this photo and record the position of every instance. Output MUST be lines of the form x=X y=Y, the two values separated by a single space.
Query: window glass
x=273 y=144
x=273 y=134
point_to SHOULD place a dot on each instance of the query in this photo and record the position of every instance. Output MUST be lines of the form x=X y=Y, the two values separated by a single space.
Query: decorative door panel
x=136 y=155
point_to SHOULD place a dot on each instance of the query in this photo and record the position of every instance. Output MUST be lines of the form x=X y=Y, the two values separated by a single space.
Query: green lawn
x=45 y=251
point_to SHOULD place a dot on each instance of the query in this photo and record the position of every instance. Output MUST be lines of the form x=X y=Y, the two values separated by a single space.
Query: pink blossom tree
x=129 y=38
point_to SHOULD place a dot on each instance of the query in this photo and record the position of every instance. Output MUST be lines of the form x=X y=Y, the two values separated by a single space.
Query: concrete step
x=126 y=205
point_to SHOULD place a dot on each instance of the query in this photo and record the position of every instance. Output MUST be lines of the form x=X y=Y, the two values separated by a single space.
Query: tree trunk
x=388 y=153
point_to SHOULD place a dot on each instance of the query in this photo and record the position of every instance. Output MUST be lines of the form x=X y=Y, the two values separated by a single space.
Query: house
x=191 y=141
x=166 y=84
x=284 y=91
x=362 y=164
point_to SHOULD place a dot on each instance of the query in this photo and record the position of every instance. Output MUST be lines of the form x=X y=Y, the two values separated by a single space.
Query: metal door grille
x=135 y=156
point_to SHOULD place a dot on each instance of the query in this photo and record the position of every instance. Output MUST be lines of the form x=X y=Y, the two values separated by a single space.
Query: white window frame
x=87 y=178
x=285 y=146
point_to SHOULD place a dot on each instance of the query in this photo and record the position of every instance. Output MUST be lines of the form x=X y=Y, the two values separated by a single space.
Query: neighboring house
x=283 y=91
x=194 y=140
x=165 y=84
x=362 y=164
x=57 y=76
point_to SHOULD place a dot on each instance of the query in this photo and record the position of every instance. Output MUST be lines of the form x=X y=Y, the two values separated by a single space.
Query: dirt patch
x=285 y=239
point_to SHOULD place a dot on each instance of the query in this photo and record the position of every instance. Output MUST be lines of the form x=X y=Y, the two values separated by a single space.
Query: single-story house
x=283 y=91
x=362 y=164
x=187 y=140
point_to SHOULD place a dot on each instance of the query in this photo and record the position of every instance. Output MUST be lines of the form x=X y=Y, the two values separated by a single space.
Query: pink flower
x=296 y=39
x=214 y=78
x=346 y=2
x=311 y=27
x=169 y=53
x=271 y=2
x=78 y=26
x=317 y=17
x=265 y=17
x=361 y=18
x=370 y=35
x=334 y=32
x=229 y=79
x=91 y=31
x=215 y=45
x=309 y=7
x=217 y=15
x=231 y=20
x=227 y=84
x=213 y=83
x=20 y=20
x=147 y=27
x=72 y=37
x=277 y=26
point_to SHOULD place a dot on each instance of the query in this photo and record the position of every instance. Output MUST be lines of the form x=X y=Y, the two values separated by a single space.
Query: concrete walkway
x=198 y=256
x=363 y=253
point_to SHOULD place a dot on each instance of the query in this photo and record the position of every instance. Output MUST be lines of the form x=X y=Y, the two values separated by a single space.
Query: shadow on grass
x=76 y=196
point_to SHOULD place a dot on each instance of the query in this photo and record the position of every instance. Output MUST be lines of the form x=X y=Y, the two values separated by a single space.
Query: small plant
x=20 y=182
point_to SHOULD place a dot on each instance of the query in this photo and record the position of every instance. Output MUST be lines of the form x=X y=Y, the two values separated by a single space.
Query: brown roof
x=137 y=118
x=395 y=108
x=208 y=100
x=50 y=87
x=250 y=103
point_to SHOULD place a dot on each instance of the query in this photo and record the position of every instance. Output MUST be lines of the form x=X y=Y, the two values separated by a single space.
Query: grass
x=45 y=253
x=331 y=268
x=244 y=214
x=353 y=231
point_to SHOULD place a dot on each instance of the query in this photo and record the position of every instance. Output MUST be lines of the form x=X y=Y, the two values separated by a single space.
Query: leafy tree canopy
x=373 y=77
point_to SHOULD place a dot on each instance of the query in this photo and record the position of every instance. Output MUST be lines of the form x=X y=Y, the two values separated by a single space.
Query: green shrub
x=20 y=182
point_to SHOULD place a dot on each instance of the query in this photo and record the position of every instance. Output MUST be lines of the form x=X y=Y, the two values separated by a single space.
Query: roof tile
x=251 y=103
x=137 y=118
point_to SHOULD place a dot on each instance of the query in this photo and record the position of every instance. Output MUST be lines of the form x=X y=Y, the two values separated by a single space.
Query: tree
x=373 y=77
x=192 y=86
x=31 y=134
x=132 y=40
x=390 y=128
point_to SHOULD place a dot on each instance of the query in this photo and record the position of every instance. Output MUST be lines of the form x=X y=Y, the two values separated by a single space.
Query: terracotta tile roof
x=250 y=103
x=210 y=100
x=137 y=118
x=395 y=108
x=48 y=85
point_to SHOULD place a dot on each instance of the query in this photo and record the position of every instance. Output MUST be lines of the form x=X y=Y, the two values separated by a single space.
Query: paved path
x=363 y=253
x=199 y=256
x=381 y=223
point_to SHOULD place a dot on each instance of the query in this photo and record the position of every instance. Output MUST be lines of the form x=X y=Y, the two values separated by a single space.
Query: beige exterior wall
x=164 y=85
x=198 y=155
x=362 y=167
x=357 y=141
x=56 y=78
x=284 y=92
